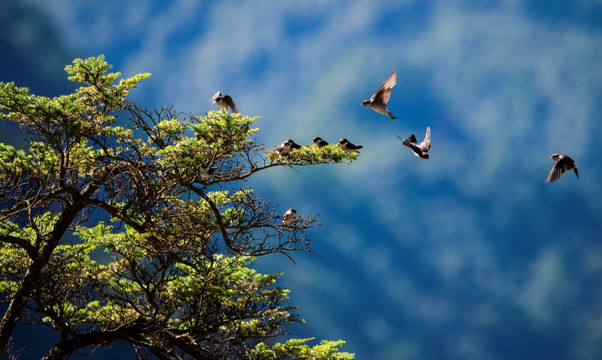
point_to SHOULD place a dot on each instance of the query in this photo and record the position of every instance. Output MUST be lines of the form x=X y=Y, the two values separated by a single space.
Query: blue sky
x=468 y=255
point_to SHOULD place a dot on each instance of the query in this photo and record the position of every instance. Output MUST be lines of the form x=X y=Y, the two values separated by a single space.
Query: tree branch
x=30 y=249
x=216 y=212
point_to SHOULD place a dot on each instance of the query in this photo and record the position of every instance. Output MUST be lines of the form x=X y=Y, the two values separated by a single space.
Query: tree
x=144 y=233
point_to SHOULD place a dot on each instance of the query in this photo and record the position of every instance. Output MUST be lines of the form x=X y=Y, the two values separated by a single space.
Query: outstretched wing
x=425 y=145
x=231 y=103
x=383 y=94
x=555 y=173
x=411 y=139
x=215 y=97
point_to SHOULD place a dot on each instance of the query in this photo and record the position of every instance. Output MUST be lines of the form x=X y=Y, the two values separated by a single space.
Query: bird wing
x=555 y=172
x=231 y=104
x=425 y=145
x=354 y=146
x=214 y=97
x=383 y=94
x=410 y=142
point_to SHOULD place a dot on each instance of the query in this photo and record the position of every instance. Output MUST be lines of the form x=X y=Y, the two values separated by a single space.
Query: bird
x=563 y=164
x=420 y=150
x=224 y=101
x=293 y=144
x=378 y=101
x=207 y=171
x=289 y=216
x=319 y=142
x=349 y=147
x=286 y=147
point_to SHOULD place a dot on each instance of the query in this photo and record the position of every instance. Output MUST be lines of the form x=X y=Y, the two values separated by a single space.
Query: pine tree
x=123 y=224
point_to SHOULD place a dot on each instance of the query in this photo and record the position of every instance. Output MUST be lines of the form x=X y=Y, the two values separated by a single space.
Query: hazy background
x=468 y=255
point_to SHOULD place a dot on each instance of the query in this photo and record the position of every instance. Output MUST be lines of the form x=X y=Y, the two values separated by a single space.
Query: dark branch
x=30 y=249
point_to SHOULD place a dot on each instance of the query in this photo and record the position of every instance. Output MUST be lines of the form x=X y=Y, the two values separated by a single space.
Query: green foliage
x=124 y=237
x=85 y=113
x=329 y=154
x=297 y=349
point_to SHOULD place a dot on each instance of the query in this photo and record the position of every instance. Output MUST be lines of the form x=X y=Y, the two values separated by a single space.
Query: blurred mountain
x=467 y=255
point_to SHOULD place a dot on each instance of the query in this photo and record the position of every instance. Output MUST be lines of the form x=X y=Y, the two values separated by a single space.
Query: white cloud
x=547 y=287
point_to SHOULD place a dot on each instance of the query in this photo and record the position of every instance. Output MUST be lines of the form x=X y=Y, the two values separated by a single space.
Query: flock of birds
x=378 y=102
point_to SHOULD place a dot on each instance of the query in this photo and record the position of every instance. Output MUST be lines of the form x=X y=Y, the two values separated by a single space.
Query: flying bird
x=286 y=147
x=563 y=164
x=207 y=171
x=378 y=101
x=223 y=102
x=319 y=142
x=349 y=147
x=421 y=150
x=289 y=216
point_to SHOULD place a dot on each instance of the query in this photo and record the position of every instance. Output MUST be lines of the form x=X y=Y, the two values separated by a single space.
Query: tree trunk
x=13 y=313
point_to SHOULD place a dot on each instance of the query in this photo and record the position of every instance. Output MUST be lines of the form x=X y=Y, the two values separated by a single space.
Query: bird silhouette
x=223 y=102
x=319 y=142
x=563 y=164
x=286 y=147
x=378 y=101
x=207 y=171
x=349 y=147
x=420 y=150
x=289 y=216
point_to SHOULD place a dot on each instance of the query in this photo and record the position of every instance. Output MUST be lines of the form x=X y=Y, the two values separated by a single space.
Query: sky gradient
x=468 y=255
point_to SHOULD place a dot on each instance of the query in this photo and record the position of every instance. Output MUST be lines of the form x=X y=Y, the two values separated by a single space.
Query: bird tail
x=410 y=140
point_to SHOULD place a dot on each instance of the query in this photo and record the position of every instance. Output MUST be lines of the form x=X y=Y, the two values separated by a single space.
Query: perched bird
x=349 y=147
x=286 y=147
x=289 y=216
x=378 y=101
x=207 y=171
x=224 y=101
x=319 y=142
x=293 y=144
x=563 y=164
x=421 y=150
